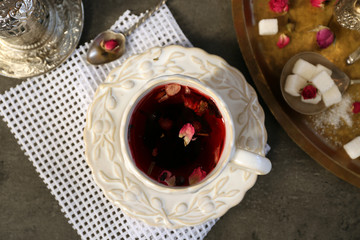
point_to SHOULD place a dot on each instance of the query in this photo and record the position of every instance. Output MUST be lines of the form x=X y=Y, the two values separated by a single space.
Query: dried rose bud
x=283 y=40
x=167 y=178
x=356 y=107
x=172 y=89
x=191 y=103
x=324 y=37
x=309 y=92
x=110 y=45
x=187 y=132
x=318 y=3
x=279 y=6
x=161 y=96
x=197 y=175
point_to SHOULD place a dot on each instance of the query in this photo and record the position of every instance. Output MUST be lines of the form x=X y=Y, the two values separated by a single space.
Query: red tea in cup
x=176 y=135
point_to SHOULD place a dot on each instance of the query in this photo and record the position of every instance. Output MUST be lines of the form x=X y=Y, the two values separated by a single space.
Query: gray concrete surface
x=298 y=200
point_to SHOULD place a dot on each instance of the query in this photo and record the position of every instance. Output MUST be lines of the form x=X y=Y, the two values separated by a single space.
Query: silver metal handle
x=353 y=57
x=354 y=81
x=357 y=6
x=144 y=18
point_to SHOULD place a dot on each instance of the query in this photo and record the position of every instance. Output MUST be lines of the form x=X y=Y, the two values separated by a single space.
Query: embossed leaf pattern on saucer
x=102 y=137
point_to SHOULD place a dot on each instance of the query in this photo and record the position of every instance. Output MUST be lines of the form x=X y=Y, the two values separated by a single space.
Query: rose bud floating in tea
x=176 y=135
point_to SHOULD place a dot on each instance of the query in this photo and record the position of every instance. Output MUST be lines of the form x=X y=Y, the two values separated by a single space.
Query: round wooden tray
x=265 y=62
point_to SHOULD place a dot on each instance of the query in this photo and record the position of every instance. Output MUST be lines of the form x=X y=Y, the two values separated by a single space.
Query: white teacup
x=243 y=159
x=109 y=153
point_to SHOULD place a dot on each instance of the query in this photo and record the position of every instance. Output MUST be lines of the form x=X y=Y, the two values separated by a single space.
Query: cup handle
x=251 y=162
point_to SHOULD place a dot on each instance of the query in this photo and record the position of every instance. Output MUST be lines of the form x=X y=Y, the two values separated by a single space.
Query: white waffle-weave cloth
x=47 y=116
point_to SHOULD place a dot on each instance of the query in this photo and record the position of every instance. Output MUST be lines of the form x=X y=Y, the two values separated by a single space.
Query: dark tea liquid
x=154 y=140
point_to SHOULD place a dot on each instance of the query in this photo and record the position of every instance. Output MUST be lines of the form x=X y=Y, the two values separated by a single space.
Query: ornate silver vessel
x=37 y=35
x=347 y=13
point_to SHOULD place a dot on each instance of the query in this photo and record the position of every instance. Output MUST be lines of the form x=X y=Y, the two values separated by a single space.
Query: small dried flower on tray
x=279 y=6
x=355 y=107
x=324 y=37
x=283 y=41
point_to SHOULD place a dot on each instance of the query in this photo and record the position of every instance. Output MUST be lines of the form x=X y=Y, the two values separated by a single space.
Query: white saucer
x=171 y=209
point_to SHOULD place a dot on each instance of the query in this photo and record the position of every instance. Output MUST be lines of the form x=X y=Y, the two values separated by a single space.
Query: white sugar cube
x=268 y=26
x=304 y=69
x=315 y=100
x=331 y=96
x=320 y=68
x=322 y=81
x=293 y=85
x=352 y=148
